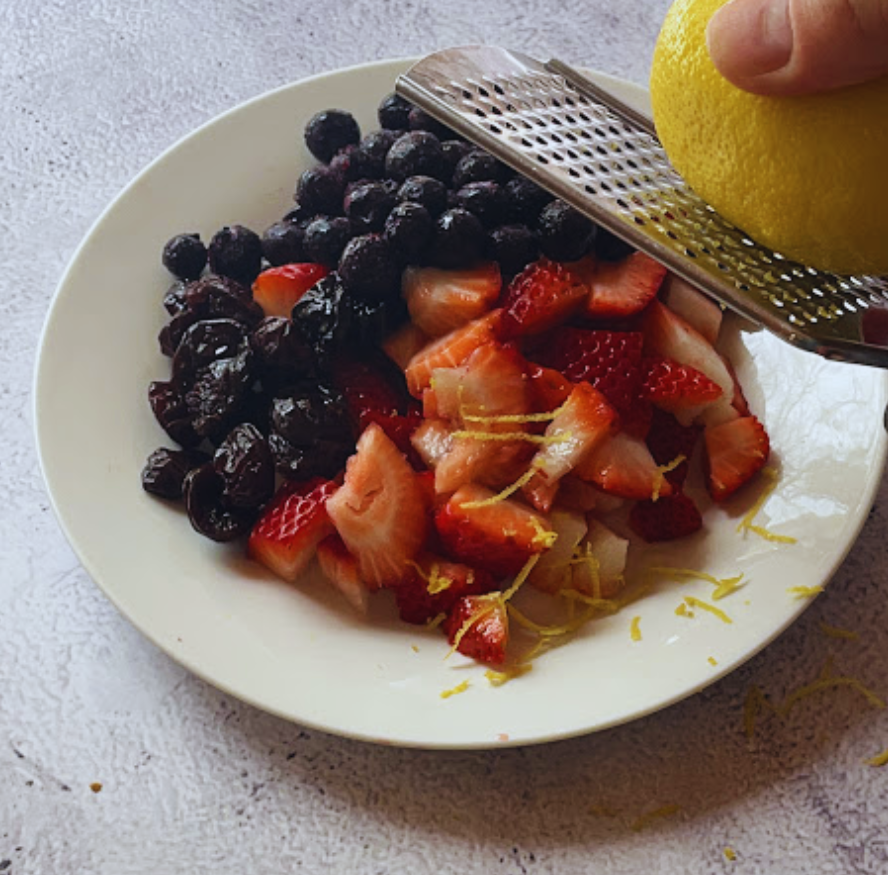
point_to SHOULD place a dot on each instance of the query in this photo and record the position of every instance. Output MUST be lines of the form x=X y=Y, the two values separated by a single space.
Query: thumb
x=783 y=47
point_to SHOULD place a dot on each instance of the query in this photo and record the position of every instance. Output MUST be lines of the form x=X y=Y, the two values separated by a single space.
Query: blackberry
x=236 y=252
x=368 y=268
x=485 y=199
x=209 y=515
x=367 y=204
x=454 y=151
x=204 y=342
x=565 y=233
x=165 y=471
x=282 y=353
x=367 y=160
x=609 y=247
x=169 y=409
x=185 y=256
x=221 y=297
x=525 y=200
x=282 y=243
x=215 y=397
x=324 y=458
x=309 y=412
x=174 y=299
x=328 y=131
x=478 y=166
x=409 y=230
x=244 y=462
x=325 y=238
x=459 y=239
x=416 y=153
x=430 y=193
x=320 y=190
x=394 y=112
x=419 y=120
x=514 y=247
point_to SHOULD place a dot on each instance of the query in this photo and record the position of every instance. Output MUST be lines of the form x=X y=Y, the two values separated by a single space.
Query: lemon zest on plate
x=723 y=585
x=682 y=611
x=436 y=621
x=662 y=471
x=712 y=660
x=634 y=630
x=498 y=678
x=646 y=819
x=836 y=632
x=705 y=606
x=455 y=691
x=805 y=592
x=746 y=524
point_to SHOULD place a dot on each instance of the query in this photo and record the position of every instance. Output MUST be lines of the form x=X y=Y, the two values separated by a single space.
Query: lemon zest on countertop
x=836 y=632
x=455 y=691
x=645 y=819
x=879 y=760
x=730 y=854
x=825 y=683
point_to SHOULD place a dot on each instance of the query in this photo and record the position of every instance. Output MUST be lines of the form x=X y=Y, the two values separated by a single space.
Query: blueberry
x=609 y=247
x=368 y=268
x=485 y=199
x=185 y=256
x=430 y=193
x=459 y=239
x=367 y=161
x=394 y=112
x=367 y=204
x=478 y=166
x=514 y=247
x=565 y=233
x=525 y=200
x=236 y=252
x=325 y=239
x=419 y=120
x=320 y=190
x=340 y=164
x=282 y=243
x=416 y=153
x=454 y=151
x=328 y=131
x=409 y=230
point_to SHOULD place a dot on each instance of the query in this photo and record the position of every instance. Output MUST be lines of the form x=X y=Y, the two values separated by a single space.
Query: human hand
x=783 y=47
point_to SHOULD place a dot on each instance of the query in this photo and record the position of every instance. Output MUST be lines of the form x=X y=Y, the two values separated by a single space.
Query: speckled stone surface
x=193 y=781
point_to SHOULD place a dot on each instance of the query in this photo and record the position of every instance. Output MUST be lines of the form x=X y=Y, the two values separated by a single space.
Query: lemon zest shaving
x=522 y=481
x=712 y=660
x=544 y=537
x=511 y=417
x=730 y=854
x=705 y=606
x=726 y=587
x=498 y=678
x=436 y=621
x=803 y=592
x=511 y=436
x=747 y=525
x=414 y=648
x=756 y=701
x=602 y=811
x=587 y=558
x=455 y=691
x=723 y=585
x=661 y=472
x=645 y=819
x=825 y=683
x=836 y=632
x=879 y=760
x=519 y=578
x=604 y=606
x=553 y=631
x=634 y=630
x=682 y=611
x=475 y=617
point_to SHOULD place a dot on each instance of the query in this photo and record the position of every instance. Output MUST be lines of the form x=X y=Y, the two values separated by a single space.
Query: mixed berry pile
x=437 y=381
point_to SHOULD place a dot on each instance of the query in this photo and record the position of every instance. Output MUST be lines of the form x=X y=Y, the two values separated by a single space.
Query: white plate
x=297 y=651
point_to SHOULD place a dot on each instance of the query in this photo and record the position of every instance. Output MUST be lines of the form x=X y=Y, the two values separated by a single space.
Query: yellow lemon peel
x=544 y=537
x=836 y=632
x=455 y=691
x=468 y=434
x=705 y=606
x=805 y=592
x=658 y=813
x=723 y=585
x=747 y=525
x=879 y=760
x=661 y=472
x=634 y=630
x=730 y=854
x=712 y=660
x=511 y=417
x=522 y=481
x=498 y=678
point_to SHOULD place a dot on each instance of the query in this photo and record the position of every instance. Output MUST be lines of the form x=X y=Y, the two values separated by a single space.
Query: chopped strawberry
x=278 y=289
x=436 y=585
x=636 y=420
x=432 y=440
x=498 y=537
x=700 y=312
x=738 y=400
x=549 y=389
x=450 y=351
x=404 y=343
x=669 y=336
x=291 y=527
x=341 y=569
x=479 y=627
x=609 y=360
x=623 y=288
x=600 y=561
x=554 y=570
x=623 y=465
x=668 y=518
x=673 y=386
x=380 y=509
x=581 y=424
x=667 y=440
x=542 y=296
x=440 y=301
x=367 y=390
x=735 y=452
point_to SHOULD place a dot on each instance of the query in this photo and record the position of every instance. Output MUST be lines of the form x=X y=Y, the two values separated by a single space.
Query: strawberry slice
x=278 y=289
x=700 y=312
x=498 y=537
x=404 y=343
x=542 y=296
x=432 y=441
x=600 y=563
x=622 y=465
x=673 y=386
x=735 y=452
x=581 y=424
x=436 y=585
x=609 y=360
x=480 y=629
x=341 y=569
x=623 y=288
x=549 y=389
x=440 y=301
x=286 y=535
x=668 y=518
x=380 y=510
x=667 y=440
x=450 y=351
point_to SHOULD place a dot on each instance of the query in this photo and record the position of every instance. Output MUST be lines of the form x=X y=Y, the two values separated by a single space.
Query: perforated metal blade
x=586 y=146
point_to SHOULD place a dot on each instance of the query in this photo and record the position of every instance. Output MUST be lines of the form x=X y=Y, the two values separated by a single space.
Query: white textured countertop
x=193 y=781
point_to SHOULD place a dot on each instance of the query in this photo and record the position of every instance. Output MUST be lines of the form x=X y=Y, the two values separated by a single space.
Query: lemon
x=806 y=176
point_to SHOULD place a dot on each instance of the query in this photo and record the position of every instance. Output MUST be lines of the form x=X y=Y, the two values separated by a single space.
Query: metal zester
x=586 y=146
